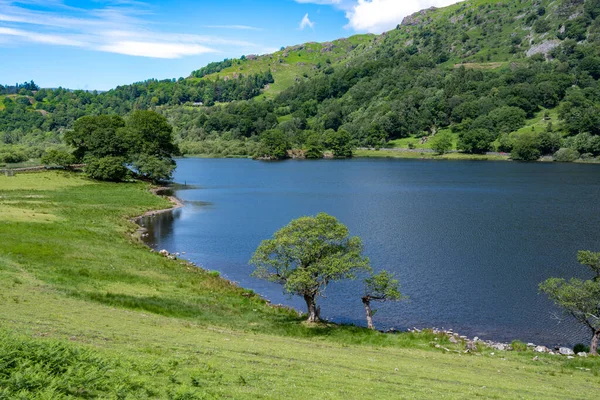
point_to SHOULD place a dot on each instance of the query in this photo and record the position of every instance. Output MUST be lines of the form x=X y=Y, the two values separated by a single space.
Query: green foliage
x=314 y=146
x=154 y=168
x=590 y=260
x=580 y=299
x=58 y=157
x=475 y=141
x=338 y=142
x=566 y=155
x=525 y=148
x=382 y=287
x=12 y=157
x=442 y=142
x=109 y=168
x=273 y=145
x=519 y=346
x=52 y=370
x=107 y=143
x=581 y=348
x=308 y=254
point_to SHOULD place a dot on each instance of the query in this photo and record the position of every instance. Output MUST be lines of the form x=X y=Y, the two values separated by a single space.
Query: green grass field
x=87 y=311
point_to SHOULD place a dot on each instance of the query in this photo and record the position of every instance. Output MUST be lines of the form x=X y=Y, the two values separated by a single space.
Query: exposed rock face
x=417 y=18
x=543 y=48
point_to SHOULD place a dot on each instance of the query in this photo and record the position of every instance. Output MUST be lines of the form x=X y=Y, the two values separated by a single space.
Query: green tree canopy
x=380 y=287
x=308 y=254
x=579 y=298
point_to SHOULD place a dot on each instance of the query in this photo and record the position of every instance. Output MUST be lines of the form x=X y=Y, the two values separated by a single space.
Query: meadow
x=87 y=311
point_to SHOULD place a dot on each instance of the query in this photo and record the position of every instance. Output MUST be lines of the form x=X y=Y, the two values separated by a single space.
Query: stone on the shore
x=163 y=252
x=452 y=339
x=582 y=354
x=565 y=351
x=541 y=349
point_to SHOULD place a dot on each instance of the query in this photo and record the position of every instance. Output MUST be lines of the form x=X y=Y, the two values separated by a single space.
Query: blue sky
x=99 y=44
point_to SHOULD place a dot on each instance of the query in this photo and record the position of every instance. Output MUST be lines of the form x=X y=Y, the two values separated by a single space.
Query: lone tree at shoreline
x=380 y=287
x=580 y=299
x=308 y=254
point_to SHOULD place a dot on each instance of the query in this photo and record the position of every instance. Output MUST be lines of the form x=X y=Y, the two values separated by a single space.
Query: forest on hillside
x=511 y=76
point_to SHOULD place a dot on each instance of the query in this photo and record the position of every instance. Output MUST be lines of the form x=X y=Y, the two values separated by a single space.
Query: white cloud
x=40 y=37
x=117 y=26
x=377 y=16
x=306 y=22
x=154 y=49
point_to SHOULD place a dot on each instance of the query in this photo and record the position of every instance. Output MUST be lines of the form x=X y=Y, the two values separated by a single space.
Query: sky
x=100 y=44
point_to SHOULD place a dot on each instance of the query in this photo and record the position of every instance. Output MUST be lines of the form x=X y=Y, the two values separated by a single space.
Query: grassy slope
x=293 y=62
x=166 y=329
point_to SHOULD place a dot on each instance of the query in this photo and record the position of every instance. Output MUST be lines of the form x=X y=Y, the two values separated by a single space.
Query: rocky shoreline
x=471 y=345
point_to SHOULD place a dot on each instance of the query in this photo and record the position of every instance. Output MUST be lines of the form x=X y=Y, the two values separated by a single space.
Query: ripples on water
x=470 y=241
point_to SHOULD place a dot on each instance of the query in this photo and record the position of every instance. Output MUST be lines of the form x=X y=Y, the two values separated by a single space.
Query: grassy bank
x=383 y=153
x=86 y=310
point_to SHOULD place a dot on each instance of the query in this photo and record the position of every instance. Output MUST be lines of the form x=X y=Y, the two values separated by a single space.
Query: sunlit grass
x=80 y=293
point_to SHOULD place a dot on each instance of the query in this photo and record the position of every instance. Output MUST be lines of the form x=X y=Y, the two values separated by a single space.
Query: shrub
x=566 y=155
x=517 y=345
x=526 y=148
x=58 y=157
x=475 y=141
x=442 y=142
x=581 y=348
x=12 y=157
x=106 y=169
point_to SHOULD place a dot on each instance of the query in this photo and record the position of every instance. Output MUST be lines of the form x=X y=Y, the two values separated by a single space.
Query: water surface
x=470 y=241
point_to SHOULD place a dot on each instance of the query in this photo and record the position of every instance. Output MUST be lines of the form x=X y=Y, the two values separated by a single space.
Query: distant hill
x=510 y=75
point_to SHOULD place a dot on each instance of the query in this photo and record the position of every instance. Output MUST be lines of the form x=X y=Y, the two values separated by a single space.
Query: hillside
x=511 y=76
x=88 y=312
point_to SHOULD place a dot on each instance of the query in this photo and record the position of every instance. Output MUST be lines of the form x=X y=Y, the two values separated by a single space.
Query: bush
x=12 y=157
x=106 y=169
x=581 y=348
x=517 y=345
x=476 y=141
x=566 y=155
x=154 y=168
x=58 y=157
x=442 y=142
x=525 y=148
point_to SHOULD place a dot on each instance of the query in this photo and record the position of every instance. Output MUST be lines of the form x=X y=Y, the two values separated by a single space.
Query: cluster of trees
x=311 y=252
x=18 y=88
x=113 y=147
x=404 y=83
x=38 y=115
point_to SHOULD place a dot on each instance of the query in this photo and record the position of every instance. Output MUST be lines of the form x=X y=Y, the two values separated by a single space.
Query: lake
x=469 y=241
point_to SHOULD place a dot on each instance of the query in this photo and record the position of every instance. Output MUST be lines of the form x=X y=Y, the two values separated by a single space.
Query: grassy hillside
x=295 y=63
x=87 y=311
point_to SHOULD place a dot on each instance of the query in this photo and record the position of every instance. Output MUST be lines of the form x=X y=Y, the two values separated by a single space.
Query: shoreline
x=454 y=337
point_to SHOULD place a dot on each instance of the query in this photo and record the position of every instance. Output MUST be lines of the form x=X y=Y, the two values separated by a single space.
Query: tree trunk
x=367 y=302
x=313 y=311
x=594 y=345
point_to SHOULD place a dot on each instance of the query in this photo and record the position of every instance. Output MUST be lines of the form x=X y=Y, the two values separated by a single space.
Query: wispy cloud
x=116 y=26
x=306 y=22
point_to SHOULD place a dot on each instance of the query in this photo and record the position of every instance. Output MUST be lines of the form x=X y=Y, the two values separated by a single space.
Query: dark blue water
x=470 y=241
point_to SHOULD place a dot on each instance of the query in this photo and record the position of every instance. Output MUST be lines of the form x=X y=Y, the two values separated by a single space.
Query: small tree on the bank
x=308 y=254
x=380 y=287
x=441 y=143
x=578 y=298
